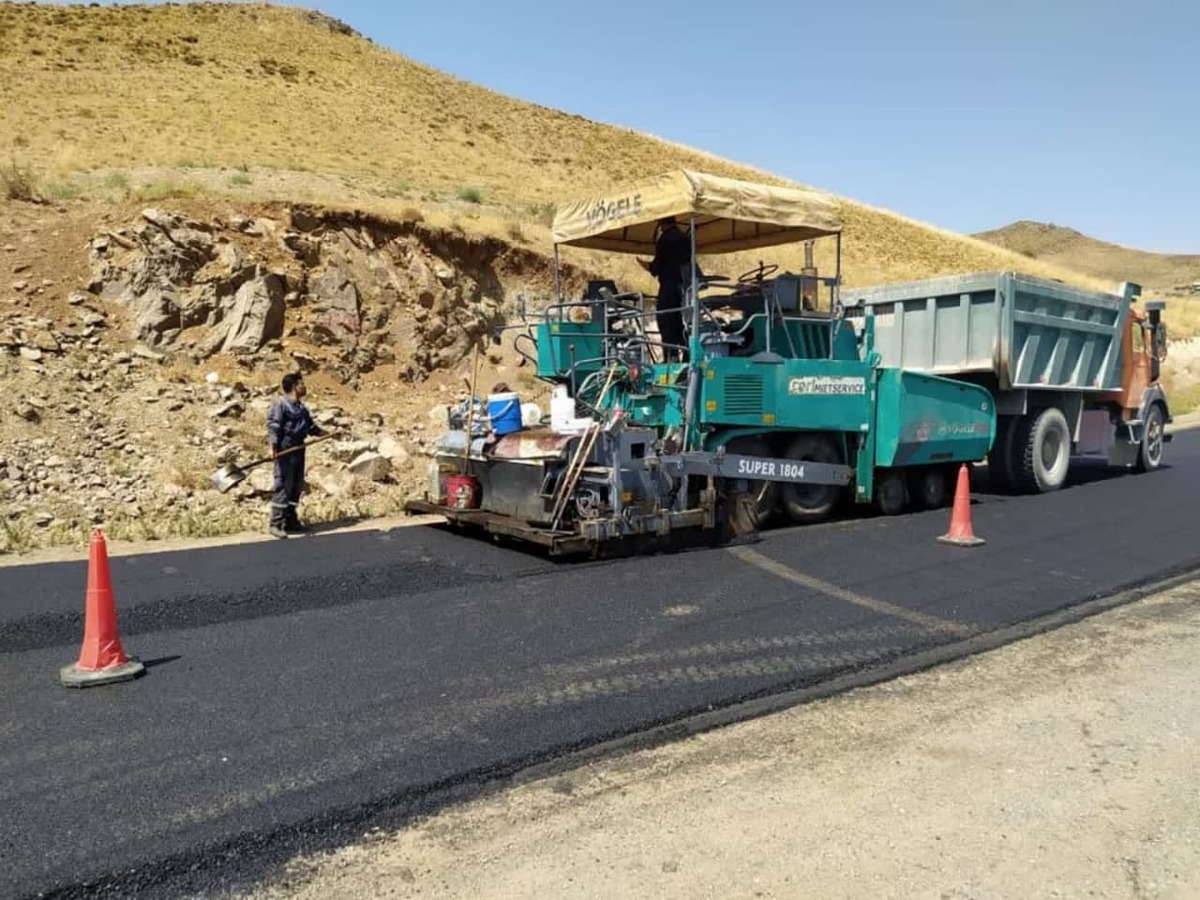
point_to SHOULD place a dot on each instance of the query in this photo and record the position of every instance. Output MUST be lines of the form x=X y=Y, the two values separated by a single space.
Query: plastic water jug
x=562 y=408
x=531 y=415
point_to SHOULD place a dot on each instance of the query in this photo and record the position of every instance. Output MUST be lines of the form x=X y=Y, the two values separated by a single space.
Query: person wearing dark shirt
x=288 y=424
x=672 y=253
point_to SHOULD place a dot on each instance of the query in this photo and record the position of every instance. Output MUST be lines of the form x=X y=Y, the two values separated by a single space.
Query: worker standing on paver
x=672 y=253
x=289 y=423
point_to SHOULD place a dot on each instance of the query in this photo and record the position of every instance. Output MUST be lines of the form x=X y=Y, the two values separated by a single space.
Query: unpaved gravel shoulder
x=1061 y=766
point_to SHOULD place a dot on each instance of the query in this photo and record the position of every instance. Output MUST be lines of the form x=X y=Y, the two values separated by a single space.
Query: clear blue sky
x=968 y=114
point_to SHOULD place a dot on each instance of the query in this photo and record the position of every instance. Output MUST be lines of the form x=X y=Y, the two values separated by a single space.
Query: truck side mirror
x=1158 y=328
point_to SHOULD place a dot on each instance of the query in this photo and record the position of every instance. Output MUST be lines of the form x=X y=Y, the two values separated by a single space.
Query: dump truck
x=781 y=408
x=1071 y=372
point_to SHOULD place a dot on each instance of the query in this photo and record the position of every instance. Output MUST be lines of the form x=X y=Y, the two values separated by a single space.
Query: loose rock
x=371 y=466
x=233 y=408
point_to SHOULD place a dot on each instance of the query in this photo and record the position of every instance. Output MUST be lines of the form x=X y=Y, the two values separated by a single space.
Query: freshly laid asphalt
x=297 y=691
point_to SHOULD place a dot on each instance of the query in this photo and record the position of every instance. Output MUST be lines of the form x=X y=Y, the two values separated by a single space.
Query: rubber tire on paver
x=891 y=492
x=766 y=493
x=929 y=487
x=811 y=503
x=1149 y=458
x=1030 y=443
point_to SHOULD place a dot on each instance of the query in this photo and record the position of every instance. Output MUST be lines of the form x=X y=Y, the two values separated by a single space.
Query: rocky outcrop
x=334 y=289
x=110 y=418
x=257 y=314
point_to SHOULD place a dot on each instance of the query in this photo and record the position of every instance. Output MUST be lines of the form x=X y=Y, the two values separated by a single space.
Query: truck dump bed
x=1028 y=332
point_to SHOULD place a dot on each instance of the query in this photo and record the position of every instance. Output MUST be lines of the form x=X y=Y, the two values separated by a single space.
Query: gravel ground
x=1060 y=766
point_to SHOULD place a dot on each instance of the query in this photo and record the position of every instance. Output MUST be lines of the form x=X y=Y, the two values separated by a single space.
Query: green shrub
x=63 y=190
x=116 y=181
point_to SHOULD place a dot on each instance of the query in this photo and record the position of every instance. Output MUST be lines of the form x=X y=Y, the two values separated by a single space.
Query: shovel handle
x=267 y=459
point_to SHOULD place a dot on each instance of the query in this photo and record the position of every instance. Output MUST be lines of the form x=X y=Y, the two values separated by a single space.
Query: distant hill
x=266 y=102
x=1067 y=247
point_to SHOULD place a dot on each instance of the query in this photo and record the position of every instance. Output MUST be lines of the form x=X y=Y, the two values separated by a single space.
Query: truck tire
x=929 y=487
x=1000 y=457
x=1150 y=453
x=1042 y=444
x=752 y=509
x=805 y=503
x=891 y=492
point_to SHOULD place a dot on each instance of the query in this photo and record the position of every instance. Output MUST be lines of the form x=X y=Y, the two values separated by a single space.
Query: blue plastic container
x=504 y=411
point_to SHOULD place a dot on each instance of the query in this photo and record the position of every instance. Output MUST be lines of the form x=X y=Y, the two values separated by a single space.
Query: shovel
x=230 y=476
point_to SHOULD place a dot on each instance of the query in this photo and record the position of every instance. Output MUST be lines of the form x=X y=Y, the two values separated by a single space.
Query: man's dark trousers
x=289 y=483
x=669 y=316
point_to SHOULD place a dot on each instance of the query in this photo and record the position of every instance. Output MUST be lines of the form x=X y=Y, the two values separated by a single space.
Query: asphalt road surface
x=299 y=691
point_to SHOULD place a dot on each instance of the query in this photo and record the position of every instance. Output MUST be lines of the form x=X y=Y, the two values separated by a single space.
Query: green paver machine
x=780 y=409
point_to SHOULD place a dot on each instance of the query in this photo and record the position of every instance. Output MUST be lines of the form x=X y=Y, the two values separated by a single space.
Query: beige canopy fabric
x=731 y=215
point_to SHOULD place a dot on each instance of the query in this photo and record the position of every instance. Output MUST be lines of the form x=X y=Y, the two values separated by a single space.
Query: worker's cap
x=667 y=220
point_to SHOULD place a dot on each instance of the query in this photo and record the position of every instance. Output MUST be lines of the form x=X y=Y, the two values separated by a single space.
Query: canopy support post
x=835 y=295
x=693 y=383
x=557 y=280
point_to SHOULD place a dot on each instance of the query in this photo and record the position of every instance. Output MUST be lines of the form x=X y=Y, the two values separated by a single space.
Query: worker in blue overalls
x=289 y=423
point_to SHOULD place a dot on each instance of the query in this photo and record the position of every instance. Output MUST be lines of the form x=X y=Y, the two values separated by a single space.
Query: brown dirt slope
x=1067 y=247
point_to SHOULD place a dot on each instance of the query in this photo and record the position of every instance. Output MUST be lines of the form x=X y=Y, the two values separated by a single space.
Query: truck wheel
x=1150 y=454
x=806 y=503
x=891 y=493
x=1000 y=457
x=929 y=487
x=1044 y=446
x=753 y=508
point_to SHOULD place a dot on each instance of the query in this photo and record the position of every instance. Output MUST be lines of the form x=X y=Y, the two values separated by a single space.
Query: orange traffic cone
x=960 y=532
x=102 y=660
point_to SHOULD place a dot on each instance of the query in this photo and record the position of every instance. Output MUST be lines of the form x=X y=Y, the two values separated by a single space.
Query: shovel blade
x=227 y=478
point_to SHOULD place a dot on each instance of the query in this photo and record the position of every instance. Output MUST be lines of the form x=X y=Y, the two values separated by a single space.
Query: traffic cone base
x=73 y=676
x=969 y=541
x=102 y=659
x=960 y=533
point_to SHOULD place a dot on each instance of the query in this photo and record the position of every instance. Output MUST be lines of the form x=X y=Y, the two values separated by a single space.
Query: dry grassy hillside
x=258 y=101
x=1061 y=246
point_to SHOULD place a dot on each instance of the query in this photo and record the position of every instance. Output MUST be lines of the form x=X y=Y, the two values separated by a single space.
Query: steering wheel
x=757 y=274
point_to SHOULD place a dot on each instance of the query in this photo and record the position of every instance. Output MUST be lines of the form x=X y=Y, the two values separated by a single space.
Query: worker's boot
x=295 y=526
x=277 y=531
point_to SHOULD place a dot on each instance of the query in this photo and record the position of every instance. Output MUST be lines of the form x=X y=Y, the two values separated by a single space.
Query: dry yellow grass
x=260 y=101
